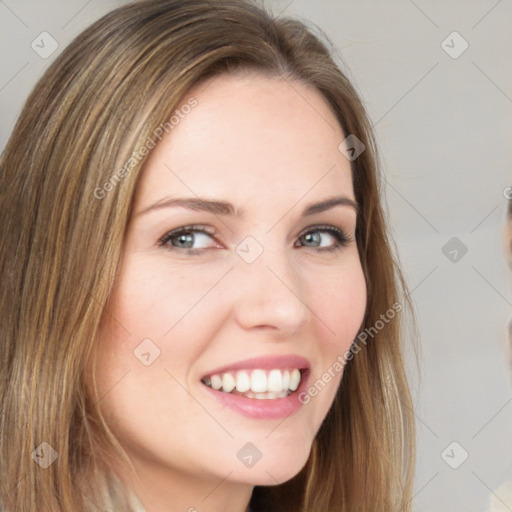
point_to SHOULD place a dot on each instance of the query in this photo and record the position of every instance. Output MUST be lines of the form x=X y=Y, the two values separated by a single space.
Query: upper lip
x=264 y=363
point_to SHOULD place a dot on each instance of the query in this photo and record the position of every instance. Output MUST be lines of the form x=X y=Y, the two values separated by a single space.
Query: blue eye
x=313 y=236
x=184 y=238
x=187 y=239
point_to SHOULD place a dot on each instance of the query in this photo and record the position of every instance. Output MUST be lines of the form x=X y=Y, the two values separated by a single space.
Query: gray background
x=443 y=124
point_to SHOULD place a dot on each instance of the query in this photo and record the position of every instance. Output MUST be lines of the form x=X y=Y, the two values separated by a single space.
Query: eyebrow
x=225 y=208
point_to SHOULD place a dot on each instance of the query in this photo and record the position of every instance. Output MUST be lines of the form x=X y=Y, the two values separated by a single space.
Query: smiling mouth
x=257 y=383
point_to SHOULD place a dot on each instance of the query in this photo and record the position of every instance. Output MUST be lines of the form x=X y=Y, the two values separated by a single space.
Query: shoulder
x=501 y=499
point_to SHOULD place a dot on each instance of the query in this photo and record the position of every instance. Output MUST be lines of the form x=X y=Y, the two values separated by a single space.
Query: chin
x=274 y=469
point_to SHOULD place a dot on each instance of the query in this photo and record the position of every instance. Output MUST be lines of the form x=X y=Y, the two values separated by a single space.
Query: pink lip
x=265 y=363
x=262 y=409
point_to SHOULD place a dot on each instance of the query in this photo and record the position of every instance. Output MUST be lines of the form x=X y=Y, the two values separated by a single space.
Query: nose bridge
x=270 y=292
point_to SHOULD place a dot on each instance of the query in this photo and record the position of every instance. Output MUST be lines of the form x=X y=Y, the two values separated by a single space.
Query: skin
x=270 y=147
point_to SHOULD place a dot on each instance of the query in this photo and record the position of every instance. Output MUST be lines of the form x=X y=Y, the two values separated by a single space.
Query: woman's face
x=269 y=293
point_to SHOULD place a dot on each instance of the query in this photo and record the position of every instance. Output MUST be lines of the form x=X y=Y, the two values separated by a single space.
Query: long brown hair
x=66 y=198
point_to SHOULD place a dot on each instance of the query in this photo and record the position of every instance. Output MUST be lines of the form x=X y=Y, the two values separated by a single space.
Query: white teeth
x=286 y=379
x=228 y=383
x=266 y=396
x=259 y=384
x=275 y=381
x=259 y=381
x=294 y=379
x=243 y=382
x=216 y=381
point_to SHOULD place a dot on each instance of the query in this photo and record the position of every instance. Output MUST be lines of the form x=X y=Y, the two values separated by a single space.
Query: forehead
x=250 y=133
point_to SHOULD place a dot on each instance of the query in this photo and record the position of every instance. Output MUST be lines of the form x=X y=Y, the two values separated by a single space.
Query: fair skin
x=272 y=150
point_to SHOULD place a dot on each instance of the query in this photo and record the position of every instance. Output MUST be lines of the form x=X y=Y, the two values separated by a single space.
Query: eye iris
x=185 y=238
x=312 y=237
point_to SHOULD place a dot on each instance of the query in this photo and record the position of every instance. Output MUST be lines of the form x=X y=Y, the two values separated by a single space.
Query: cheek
x=159 y=322
x=342 y=305
x=155 y=300
x=340 y=300
x=160 y=314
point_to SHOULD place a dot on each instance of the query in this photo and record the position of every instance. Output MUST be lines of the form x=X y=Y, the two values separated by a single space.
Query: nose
x=270 y=294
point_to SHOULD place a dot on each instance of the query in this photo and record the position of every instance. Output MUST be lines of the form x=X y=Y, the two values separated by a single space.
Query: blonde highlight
x=94 y=107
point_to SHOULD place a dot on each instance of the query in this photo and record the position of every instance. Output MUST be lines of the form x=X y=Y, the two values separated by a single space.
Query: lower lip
x=262 y=409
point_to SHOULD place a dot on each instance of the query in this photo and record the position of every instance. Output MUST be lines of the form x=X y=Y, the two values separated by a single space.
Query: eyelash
x=341 y=238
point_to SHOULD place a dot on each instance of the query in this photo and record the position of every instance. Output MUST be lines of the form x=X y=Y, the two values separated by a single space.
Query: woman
x=194 y=255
